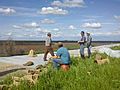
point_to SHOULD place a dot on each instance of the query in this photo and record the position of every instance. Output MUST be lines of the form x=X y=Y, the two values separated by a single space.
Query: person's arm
x=58 y=54
x=82 y=41
x=90 y=40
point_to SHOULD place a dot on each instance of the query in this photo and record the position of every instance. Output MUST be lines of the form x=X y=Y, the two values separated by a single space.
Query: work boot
x=82 y=56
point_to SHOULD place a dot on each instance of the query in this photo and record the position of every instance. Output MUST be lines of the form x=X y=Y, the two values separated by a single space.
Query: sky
x=64 y=19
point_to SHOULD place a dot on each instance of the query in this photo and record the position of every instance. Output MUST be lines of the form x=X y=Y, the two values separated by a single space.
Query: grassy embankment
x=116 y=48
x=83 y=75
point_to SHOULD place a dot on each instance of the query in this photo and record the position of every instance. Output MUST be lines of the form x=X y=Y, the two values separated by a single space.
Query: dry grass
x=22 y=49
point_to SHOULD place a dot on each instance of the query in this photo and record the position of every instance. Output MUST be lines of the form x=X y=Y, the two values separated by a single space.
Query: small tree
x=9 y=47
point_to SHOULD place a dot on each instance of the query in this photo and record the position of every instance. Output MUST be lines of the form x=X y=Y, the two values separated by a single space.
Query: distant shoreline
x=54 y=41
x=66 y=41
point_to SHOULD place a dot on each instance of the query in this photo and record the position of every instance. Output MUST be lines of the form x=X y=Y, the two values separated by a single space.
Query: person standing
x=48 y=46
x=88 y=44
x=82 y=44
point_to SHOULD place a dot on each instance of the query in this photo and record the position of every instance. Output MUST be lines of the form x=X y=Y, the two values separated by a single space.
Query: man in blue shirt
x=63 y=56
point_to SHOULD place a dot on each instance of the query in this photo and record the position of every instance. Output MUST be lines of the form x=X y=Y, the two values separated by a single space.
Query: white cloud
x=69 y=3
x=92 y=25
x=47 y=21
x=17 y=27
x=31 y=25
x=53 y=10
x=113 y=33
x=57 y=3
x=56 y=29
x=9 y=34
x=71 y=27
x=117 y=17
x=23 y=11
x=108 y=23
x=42 y=31
x=87 y=20
x=92 y=16
x=57 y=34
x=7 y=11
x=27 y=26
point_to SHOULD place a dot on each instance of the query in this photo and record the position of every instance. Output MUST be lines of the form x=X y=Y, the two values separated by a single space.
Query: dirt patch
x=7 y=69
x=4 y=66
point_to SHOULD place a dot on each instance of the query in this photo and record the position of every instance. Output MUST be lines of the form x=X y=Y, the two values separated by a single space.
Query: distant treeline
x=41 y=42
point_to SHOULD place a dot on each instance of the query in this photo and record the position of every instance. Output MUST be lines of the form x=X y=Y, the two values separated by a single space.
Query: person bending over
x=62 y=56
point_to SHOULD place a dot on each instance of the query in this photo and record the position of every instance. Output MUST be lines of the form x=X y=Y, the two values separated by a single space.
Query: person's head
x=60 y=44
x=49 y=34
x=82 y=33
x=88 y=33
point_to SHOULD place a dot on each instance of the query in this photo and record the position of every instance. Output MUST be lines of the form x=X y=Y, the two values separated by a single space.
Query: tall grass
x=83 y=75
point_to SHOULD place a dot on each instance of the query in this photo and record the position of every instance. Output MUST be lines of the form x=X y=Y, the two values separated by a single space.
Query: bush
x=9 y=48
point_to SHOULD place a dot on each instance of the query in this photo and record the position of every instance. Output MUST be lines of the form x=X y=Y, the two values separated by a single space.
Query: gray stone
x=29 y=63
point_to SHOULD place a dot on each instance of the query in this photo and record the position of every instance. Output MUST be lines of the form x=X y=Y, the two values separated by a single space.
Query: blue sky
x=32 y=19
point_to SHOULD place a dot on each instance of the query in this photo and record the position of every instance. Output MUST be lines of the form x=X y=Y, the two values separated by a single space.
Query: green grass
x=83 y=75
x=116 y=48
x=71 y=47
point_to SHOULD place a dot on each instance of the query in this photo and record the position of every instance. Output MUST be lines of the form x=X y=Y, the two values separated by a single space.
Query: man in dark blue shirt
x=82 y=44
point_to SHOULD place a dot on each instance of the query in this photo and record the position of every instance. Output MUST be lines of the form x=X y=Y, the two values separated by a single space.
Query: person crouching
x=62 y=58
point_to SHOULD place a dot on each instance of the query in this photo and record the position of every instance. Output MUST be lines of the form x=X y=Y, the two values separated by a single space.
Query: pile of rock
x=4 y=87
x=31 y=77
x=99 y=60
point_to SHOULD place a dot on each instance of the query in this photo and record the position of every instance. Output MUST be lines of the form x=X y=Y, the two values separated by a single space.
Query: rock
x=32 y=72
x=28 y=78
x=35 y=77
x=17 y=79
x=16 y=83
x=103 y=61
x=38 y=71
x=29 y=63
x=31 y=78
x=4 y=87
x=98 y=57
x=32 y=53
x=39 y=67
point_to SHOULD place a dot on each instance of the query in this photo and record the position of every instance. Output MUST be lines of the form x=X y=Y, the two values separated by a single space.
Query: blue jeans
x=82 y=50
x=56 y=63
x=89 y=51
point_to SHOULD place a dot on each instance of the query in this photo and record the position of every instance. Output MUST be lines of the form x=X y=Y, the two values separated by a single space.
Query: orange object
x=65 y=67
